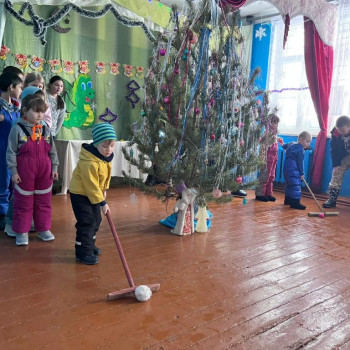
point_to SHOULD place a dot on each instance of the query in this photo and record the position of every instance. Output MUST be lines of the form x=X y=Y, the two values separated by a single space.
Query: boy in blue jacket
x=340 y=154
x=293 y=169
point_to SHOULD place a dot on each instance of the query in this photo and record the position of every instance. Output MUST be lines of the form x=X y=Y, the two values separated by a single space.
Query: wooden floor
x=264 y=277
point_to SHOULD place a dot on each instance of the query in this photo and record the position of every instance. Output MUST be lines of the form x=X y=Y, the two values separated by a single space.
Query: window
x=287 y=76
x=340 y=93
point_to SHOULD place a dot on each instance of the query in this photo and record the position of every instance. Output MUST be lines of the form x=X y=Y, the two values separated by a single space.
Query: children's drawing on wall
x=78 y=98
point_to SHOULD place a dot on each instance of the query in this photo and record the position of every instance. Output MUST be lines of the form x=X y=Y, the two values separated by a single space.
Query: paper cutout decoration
x=55 y=65
x=21 y=60
x=128 y=70
x=4 y=51
x=100 y=67
x=108 y=116
x=132 y=97
x=37 y=63
x=114 y=68
x=140 y=72
x=68 y=67
x=84 y=67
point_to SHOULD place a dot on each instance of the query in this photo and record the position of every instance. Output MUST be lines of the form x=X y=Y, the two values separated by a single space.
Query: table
x=68 y=155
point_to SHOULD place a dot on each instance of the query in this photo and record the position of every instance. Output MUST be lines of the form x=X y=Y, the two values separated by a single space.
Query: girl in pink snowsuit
x=32 y=160
x=264 y=189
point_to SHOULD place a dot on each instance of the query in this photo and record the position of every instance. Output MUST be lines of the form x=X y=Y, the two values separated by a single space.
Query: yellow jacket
x=92 y=174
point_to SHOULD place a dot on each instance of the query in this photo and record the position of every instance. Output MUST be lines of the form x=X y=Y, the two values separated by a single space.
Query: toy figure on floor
x=293 y=169
x=32 y=159
x=184 y=207
x=90 y=180
x=264 y=189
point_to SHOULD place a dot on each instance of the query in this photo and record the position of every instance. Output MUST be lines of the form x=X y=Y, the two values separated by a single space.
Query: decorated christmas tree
x=201 y=118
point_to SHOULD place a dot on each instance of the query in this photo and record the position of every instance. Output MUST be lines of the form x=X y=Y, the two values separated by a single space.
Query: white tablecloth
x=68 y=155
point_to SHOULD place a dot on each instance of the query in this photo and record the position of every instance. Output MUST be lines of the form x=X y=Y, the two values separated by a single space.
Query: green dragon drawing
x=78 y=99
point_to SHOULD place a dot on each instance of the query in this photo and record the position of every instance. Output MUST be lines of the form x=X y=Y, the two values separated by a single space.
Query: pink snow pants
x=32 y=196
x=267 y=175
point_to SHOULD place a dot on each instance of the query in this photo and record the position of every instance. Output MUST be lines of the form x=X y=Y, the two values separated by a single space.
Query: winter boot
x=271 y=198
x=295 y=204
x=331 y=202
x=287 y=200
x=262 y=198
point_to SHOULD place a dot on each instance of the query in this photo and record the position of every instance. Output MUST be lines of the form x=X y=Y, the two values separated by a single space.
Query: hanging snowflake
x=260 y=33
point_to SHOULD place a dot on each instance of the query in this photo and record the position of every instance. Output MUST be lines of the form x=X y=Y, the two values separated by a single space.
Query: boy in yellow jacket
x=90 y=180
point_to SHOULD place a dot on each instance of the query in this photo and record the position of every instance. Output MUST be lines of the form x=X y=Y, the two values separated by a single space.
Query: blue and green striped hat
x=102 y=132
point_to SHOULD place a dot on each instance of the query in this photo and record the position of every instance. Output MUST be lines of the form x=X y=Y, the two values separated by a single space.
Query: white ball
x=143 y=293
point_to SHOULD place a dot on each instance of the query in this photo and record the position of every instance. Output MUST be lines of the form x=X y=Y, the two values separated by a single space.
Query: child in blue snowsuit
x=293 y=169
x=11 y=88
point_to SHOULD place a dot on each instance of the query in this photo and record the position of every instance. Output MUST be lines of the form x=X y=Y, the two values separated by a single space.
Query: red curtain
x=319 y=69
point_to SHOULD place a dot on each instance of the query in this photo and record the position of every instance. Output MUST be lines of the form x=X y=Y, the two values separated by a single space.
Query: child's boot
x=295 y=204
x=287 y=200
x=46 y=236
x=2 y=222
x=262 y=198
x=87 y=259
x=271 y=198
x=22 y=238
x=9 y=231
x=331 y=202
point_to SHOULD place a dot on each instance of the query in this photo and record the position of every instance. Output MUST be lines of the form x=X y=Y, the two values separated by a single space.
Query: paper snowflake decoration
x=260 y=33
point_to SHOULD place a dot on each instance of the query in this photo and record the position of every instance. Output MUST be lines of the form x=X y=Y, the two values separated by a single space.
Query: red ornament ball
x=166 y=100
x=197 y=110
x=212 y=137
x=162 y=52
x=239 y=179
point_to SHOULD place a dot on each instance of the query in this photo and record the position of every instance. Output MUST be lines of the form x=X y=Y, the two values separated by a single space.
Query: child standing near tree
x=293 y=169
x=90 y=180
x=32 y=159
x=11 y=88
x=57 y=105
x=264 y=189
x=340 y=153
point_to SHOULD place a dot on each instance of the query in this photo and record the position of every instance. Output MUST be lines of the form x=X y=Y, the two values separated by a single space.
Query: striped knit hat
x=103 y=132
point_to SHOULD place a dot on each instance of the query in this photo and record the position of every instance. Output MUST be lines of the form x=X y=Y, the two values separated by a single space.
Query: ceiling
x=257 y=9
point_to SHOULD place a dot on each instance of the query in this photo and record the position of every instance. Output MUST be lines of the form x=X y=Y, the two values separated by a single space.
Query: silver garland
x=40 y=25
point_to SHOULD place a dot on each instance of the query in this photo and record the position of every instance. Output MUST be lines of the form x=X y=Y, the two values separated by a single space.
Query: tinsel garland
x=40 y=25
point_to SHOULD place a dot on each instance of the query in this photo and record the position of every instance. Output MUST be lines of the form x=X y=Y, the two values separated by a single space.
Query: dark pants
x=88 y=222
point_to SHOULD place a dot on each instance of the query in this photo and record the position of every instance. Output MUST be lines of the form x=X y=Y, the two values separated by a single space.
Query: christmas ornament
x=239 y=179
x=216 y=193
x=162 y=52
x=212 y=137
x=197 y=110
x=156 y=148
x=166 y=100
